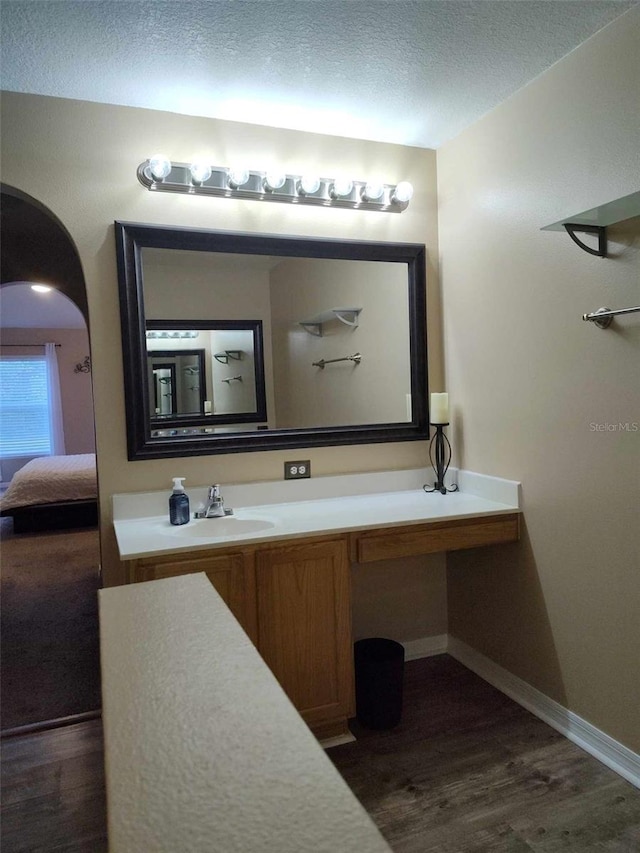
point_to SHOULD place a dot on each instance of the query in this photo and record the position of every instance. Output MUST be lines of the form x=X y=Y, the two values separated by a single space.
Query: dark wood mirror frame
x=131 y=238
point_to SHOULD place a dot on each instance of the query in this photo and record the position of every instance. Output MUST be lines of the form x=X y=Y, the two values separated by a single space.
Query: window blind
x=24 y=406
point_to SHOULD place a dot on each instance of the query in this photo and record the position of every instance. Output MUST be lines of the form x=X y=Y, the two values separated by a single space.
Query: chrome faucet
x=214 y=508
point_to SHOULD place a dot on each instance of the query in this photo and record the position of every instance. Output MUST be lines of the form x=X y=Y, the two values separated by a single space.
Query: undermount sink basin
x=213 y=528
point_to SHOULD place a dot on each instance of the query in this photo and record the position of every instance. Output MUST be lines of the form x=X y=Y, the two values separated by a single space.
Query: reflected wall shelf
x=348 y=316
x=223 y=357
x=596 y=220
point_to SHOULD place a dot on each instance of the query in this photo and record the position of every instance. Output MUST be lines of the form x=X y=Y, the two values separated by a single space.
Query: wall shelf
x=223 y=357
x=348 y=316
x=596 y=221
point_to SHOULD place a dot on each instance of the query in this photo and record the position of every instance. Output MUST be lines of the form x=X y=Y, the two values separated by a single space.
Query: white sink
x=215 y=528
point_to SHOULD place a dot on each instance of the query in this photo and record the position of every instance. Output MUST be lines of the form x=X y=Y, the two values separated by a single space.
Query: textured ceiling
x=415 y=72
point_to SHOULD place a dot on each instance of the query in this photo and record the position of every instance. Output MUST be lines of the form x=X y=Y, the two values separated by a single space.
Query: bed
x=53 y=493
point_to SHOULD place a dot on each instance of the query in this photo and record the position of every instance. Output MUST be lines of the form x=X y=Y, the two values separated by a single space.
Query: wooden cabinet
x=304 y=629
x=294 y=600
x=294 y=603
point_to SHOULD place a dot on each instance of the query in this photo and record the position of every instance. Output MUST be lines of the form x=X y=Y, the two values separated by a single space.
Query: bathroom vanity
x=282 y=562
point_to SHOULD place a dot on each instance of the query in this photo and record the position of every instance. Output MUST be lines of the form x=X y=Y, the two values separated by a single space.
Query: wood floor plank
x=53 y=777
x=54 y=744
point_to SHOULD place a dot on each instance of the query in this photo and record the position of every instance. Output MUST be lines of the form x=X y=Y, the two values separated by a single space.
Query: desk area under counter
x=284 y=569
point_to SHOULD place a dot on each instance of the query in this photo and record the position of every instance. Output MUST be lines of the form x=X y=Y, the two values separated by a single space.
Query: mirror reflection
x=318 y=313
x=177 y=381
x=221 y=381
x=336 y=352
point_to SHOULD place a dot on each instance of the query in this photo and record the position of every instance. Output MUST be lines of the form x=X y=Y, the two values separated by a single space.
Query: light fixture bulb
x=274 y=181
x=372 y=191
x=200 y=172
x=238 y=176
x=341 y=187
x=403 y=193
x=159 y=166
x=309 y=184
x=40 y=288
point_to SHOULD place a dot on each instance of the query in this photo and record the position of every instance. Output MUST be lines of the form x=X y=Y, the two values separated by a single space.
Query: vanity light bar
x=172 y=334
x=160 y=175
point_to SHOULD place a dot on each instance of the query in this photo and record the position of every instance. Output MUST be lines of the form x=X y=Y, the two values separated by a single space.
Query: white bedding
x=51 y=479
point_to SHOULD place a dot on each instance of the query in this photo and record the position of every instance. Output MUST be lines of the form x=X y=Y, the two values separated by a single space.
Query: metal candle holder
x=440 y=448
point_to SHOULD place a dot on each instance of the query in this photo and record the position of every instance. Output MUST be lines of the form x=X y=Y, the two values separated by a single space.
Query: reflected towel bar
x=603 y=317
x=357 y=358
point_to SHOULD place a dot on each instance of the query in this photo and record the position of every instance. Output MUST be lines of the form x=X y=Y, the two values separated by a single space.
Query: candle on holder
x=439 y=446
x=207 y=407
x=439 y=409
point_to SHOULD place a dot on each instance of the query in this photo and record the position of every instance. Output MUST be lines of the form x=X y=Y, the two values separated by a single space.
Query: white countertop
x=357 y=502
x=204 y=751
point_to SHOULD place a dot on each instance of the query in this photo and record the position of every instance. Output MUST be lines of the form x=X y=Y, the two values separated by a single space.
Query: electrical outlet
x=297 y=470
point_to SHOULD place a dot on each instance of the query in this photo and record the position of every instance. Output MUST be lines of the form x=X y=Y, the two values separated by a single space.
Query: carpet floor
x=49 y=653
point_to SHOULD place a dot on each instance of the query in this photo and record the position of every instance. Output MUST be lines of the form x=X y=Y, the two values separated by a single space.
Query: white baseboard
x=337 y=740
x=426 y=647
x=597 y=743
x=610 y=752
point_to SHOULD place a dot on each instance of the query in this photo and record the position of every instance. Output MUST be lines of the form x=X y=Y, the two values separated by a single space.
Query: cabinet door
x=232 y=575
x=304 y=629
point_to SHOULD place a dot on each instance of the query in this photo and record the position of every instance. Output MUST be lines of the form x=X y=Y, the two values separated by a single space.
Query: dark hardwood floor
x=469 y=771
x=53 y=792
x=466 y=771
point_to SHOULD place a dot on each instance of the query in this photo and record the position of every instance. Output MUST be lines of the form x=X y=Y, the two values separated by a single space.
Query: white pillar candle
x=207 y=407
x=439 y=409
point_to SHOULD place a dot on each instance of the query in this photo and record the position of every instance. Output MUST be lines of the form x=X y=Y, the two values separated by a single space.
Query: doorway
x=50 y=544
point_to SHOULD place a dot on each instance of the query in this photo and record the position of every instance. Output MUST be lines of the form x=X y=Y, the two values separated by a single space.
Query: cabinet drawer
x=430 y=538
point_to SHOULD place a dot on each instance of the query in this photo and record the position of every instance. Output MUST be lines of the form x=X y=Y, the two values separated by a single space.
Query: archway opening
x=49 y=524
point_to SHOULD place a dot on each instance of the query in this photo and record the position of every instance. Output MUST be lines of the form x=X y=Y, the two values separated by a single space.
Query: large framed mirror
x=336 y=341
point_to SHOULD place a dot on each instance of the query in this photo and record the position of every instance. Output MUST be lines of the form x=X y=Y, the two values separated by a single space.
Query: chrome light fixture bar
x=171 y=334
x=161 y=175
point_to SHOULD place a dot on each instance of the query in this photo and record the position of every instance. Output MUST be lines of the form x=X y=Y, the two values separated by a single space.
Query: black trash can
x=379 y=672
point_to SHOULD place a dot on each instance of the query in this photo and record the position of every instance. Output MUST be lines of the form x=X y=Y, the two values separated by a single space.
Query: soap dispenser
x=178 y=503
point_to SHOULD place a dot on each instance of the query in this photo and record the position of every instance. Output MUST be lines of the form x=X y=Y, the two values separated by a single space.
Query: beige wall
x=530 y=382
x=75 y=388
x=80 y=159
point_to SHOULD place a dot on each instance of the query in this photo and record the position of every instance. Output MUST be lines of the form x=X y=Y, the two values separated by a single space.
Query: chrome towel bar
x=603 y=317
x=357 y=357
